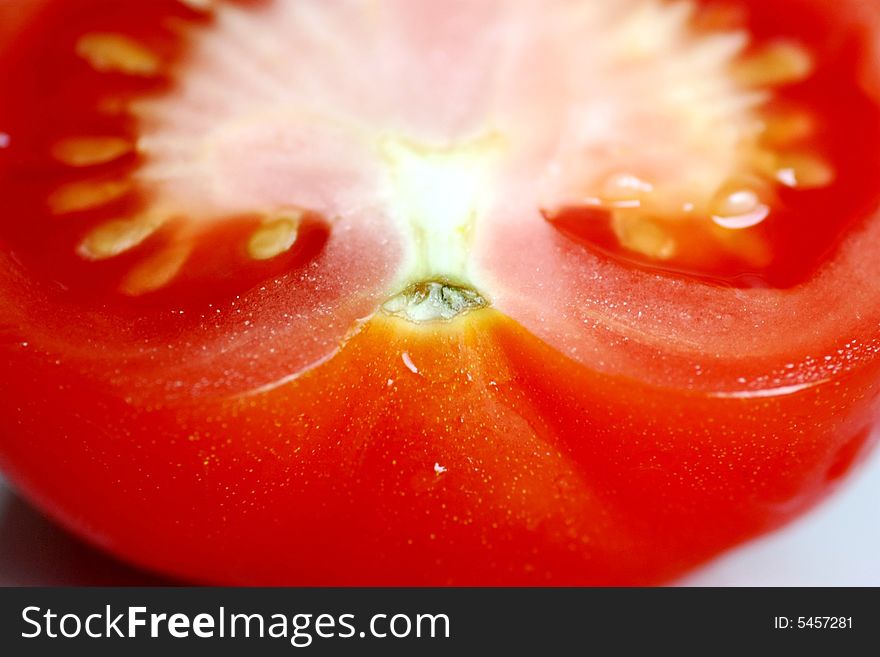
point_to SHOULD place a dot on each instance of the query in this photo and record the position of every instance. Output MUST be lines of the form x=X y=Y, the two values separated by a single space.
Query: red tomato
x=418 y=292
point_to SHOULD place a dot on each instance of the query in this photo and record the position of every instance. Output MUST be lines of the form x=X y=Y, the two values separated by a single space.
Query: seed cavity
x=87 y=195
x=275 y=236
x=90 y=151
x=716 y=148
x=430 y=301
x=114 y=53
x=114 y=238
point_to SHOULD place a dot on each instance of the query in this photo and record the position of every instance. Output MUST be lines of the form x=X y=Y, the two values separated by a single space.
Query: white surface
x=838 y=544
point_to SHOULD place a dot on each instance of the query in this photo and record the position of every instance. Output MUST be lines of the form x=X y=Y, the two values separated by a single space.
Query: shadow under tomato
x=36 y=552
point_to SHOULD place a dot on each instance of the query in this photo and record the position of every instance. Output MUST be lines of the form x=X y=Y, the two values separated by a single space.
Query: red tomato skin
x=481 y=457
x=535 y=469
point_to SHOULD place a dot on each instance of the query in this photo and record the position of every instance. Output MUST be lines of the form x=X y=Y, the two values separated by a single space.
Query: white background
x=837 y=544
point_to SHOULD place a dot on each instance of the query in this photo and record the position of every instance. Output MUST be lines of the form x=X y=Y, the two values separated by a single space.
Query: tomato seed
x=115 y=53
x=90 y=151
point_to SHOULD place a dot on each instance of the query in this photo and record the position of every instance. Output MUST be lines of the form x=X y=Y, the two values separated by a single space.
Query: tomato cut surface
x=416 y=292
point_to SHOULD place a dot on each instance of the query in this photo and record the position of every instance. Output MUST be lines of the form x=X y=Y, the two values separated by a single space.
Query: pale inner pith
x=419 y=112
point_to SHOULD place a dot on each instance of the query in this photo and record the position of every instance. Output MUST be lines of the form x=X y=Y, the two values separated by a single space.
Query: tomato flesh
x=407 y=357
x=477 y=454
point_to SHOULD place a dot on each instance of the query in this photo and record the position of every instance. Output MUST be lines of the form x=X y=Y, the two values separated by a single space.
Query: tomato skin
x=499 y=460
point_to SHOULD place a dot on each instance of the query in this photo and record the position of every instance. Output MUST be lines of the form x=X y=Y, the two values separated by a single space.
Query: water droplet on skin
x=407 y=361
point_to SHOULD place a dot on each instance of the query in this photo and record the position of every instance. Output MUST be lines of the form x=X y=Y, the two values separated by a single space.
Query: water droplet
x=409 y=363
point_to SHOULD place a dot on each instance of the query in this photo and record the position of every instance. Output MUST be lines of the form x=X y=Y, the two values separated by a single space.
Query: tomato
x=422 y=293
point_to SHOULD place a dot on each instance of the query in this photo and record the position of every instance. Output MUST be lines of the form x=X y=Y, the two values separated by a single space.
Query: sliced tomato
x=436 y=293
